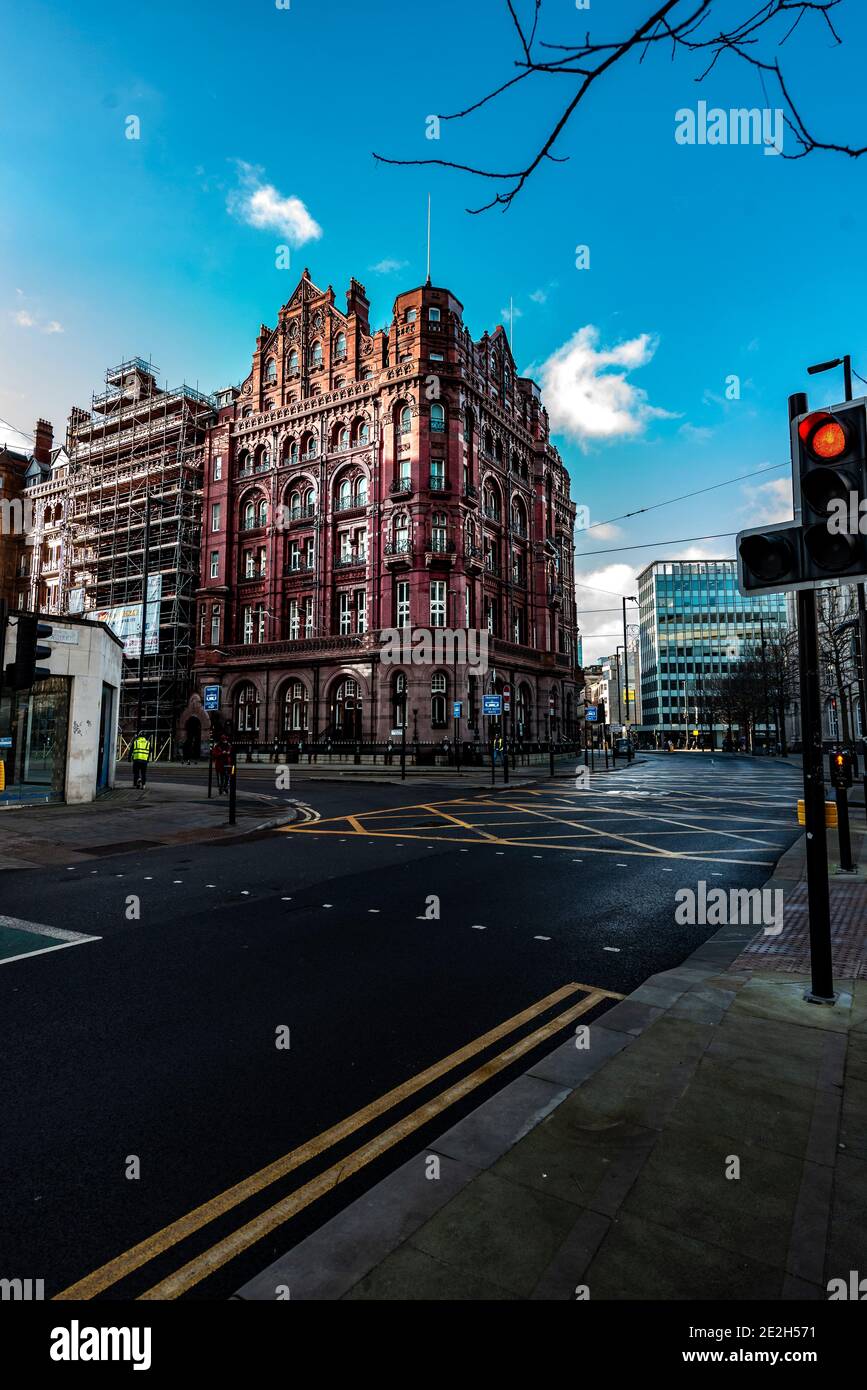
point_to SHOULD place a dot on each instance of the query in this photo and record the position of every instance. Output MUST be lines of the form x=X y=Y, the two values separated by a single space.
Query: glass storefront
x=34 y=727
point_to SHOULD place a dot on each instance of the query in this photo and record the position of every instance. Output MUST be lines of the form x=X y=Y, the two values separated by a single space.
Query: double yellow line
x=201 y=1266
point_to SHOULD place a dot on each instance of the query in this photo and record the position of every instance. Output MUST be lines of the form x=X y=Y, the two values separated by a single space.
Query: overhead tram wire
x=653 y=506
x=648 y=545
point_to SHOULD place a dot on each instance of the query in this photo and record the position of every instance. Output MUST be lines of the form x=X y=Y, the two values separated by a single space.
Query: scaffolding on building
x=141 y=442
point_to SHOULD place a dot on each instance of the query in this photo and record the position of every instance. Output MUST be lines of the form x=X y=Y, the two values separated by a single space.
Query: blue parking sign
x=492 y=705
x=212 y=697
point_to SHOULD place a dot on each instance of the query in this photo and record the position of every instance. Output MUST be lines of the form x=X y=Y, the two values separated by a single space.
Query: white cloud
x=539 y=296
x=388 y=265
x=603 y=589
x=24 y=319
x=768 y=502
x=696 y=434
x=260 y=205
x=588 y=402
x=602 y=531
x=511 y=312
x=53 y=327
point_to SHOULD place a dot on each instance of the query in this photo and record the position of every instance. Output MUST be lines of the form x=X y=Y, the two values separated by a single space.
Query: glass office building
x=694 y=626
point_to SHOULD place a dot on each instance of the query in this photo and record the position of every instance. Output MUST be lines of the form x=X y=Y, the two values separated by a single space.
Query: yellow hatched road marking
x=211 y=1260
x=146 y=1250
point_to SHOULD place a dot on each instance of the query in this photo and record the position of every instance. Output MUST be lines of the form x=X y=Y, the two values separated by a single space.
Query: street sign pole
x=233 y=790
x=507 y=705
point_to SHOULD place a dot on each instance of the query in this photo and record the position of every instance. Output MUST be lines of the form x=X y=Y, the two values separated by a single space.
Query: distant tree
x=684 y=27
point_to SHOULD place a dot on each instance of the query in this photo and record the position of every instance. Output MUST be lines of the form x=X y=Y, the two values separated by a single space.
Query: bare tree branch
x=685 y=25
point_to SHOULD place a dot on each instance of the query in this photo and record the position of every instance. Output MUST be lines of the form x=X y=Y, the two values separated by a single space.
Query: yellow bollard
x=830 y=814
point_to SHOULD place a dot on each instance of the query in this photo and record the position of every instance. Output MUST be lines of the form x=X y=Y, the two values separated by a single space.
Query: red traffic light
x=824 y=435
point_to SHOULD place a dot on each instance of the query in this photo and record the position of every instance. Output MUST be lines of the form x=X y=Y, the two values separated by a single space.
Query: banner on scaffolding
x=125 y=621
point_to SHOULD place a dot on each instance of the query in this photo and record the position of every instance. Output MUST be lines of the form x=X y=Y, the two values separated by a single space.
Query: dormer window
x=411 y=315
x=434 y=315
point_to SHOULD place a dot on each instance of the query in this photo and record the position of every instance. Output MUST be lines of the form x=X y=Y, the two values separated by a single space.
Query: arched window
x=270 y=370
x=361 y=491
x=343 y=439
x=316 y=356
x=346 y=709
x=296 y=705
x=437 y=418
x=340 y=346
x=519 y=517
x=469 y=426
x=249 y=515
x=344 y=495
x=362 y=432
x=309 y=446
x=398 y=700
x=367 y=375
x=438 y=700
x=310 y=499
x=492 y=502
x=247 y=709
x=294 y=505
x=245 y=463
x=406 y=420
x=293 y=362
x=262 y=513
x=401 y=534
x=293 y=451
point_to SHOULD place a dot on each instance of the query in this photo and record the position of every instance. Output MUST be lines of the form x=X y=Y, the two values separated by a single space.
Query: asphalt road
x=392 y=927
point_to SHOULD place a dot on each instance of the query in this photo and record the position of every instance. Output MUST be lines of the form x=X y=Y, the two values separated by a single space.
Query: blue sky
x=706 y=262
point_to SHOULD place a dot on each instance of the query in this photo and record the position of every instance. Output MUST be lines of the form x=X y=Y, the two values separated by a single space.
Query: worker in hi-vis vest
x=141 y=752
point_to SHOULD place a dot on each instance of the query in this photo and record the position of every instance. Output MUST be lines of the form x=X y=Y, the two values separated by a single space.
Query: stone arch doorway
x=193 y=738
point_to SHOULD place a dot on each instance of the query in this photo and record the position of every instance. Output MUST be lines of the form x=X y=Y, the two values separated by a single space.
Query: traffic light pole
x=862 y=624
x=822 y=986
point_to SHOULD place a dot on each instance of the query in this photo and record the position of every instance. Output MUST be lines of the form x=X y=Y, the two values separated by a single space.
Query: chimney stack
x=43 y=441
x=358 y=303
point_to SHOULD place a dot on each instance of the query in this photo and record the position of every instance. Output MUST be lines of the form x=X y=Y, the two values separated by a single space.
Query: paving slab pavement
x=708 y=1143
x=125 y=819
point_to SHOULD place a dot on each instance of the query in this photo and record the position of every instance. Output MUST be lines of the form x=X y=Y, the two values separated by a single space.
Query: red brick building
x=358 y=482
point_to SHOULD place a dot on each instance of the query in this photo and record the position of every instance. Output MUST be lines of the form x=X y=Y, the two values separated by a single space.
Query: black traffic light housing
x=824 y=544
x=840 y=761
x=23 y=672
x=830 y=450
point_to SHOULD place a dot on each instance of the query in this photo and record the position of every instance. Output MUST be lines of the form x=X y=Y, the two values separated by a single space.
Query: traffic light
x=831 y=453
x=841 y=768
x=829 y=483
x=23 y=671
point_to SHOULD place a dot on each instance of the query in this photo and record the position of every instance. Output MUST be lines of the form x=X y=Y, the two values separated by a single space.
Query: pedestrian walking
x=223 y=756
x=140 y=754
